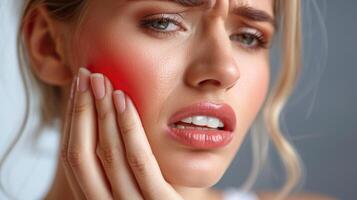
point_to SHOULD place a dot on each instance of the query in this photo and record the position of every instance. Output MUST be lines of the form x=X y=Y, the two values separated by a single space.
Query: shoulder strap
x=235 y=194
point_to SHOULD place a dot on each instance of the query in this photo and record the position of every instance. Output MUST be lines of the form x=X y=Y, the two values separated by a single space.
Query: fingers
x=110 y=149
x=78 y=194
x=122 y=146
x=82 y=143
x=138 y=151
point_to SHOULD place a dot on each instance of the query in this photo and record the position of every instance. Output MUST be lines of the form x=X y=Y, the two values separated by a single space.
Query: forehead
x=265 y=5
x=255 y=10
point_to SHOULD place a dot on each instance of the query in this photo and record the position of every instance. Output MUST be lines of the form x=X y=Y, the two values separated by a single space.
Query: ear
x=44 y=41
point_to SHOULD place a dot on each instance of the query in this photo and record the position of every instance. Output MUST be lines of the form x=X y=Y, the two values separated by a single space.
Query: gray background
x=321 y=116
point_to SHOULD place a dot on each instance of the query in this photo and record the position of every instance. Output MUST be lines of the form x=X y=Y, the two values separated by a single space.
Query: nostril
x=210 y=81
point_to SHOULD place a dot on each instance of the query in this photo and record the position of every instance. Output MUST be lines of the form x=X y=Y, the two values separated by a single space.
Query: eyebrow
x=191 y=3
x=242 y=10
x=254 y=14
x=185 y=3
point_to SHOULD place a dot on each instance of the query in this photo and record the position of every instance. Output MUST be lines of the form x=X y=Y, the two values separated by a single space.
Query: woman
x=165 y=94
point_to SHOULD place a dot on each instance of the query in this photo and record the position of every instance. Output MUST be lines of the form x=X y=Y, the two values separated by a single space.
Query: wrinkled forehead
x=266 y=5
x=256 y=10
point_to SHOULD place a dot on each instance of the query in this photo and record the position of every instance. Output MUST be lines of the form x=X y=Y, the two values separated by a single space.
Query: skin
x=147 y=54
x=134 y=159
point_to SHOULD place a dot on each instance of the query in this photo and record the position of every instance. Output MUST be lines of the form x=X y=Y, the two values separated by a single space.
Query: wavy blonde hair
x=288 y=15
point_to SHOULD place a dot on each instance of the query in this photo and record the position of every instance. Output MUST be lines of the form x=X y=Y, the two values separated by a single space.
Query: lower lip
x=201 y=139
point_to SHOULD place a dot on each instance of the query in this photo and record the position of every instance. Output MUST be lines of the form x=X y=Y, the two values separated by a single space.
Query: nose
x=213 y=66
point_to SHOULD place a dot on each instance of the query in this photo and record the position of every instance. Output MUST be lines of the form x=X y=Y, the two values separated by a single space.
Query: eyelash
x=256 y=35
x=147 y=23
x=176 y=20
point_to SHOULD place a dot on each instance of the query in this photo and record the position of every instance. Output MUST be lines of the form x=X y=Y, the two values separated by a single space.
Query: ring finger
x=110 y=148
x=82 y=142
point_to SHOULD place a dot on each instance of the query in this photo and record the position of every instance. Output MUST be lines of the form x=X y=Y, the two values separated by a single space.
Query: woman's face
x=203 y=53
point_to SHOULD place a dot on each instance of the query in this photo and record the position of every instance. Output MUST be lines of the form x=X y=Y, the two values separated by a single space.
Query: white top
x=235 y=194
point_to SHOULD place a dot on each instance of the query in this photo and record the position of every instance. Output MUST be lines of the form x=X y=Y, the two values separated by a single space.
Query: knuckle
x=63 y=155
x=138 y=162
x=128 y=128
x=81 y=107
x=74 y=158
x=107 y=155
x=104 y=114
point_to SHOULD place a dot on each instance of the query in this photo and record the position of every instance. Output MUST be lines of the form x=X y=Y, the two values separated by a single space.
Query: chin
x=193 y=181
x=193 y=172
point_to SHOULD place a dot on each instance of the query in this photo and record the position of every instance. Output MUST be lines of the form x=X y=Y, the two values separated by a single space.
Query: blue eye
x=247 y=39
x=170 y=24
x=250 y=38
x=163 y=24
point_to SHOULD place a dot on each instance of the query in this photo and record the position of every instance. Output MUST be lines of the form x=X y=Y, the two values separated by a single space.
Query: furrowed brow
x=185 y=3
x=191 y=3
x=242 y=10
x=254 y=14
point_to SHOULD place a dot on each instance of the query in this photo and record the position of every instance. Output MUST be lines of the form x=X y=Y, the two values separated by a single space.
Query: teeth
x=200 y=120
x=212 y=122
x=187 y=120
x=190 y=127
x=180 y=126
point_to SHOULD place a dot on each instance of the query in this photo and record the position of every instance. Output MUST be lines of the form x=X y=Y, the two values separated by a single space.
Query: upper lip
x=222 y=111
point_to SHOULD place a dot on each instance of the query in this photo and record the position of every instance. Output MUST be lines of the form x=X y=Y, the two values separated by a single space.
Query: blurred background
x=320 y=118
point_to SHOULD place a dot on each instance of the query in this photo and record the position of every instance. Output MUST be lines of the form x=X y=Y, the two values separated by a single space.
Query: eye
x=163 y=24
x=250 y=38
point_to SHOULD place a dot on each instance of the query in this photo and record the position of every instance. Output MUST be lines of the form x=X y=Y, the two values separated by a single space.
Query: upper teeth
x=200 y=120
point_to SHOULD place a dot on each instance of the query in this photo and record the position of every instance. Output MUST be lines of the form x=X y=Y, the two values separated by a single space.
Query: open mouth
x=199 y=123
x=203 y=125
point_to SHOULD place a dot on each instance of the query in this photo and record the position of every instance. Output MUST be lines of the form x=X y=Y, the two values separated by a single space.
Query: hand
x=104 y=148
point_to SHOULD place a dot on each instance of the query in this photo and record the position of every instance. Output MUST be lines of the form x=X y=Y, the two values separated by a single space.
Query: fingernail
x=73 y=85
x=97 y=81
x=83 y=79
x=119 y=100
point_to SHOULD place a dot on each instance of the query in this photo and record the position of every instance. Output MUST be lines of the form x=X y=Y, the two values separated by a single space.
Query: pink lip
x=204 y=139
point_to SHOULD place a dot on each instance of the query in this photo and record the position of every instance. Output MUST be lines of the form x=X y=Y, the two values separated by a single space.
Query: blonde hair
x=288 y=13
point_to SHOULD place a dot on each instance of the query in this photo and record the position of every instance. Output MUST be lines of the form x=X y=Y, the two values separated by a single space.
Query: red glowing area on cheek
x=119 y=80
x=124 y=75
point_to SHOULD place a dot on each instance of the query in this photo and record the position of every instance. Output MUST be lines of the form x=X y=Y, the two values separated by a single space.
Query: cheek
x=129 y=72
x=257 y=87
x=250 y=93
x=254 y=82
